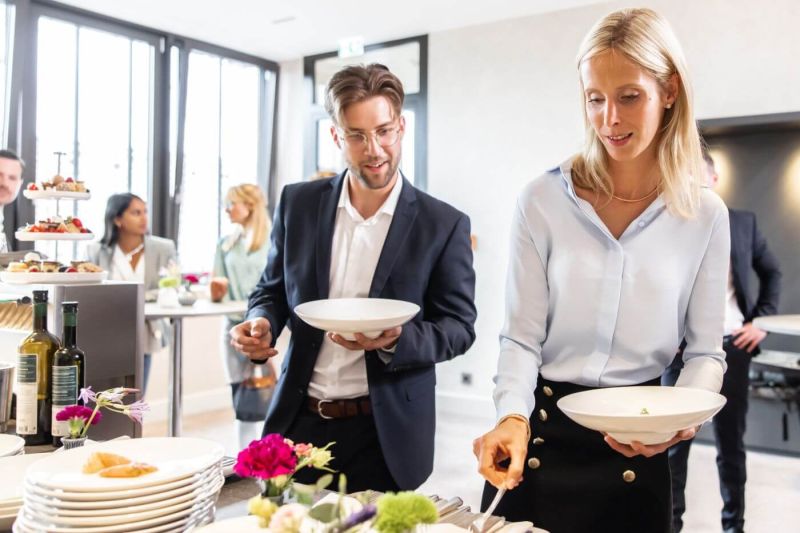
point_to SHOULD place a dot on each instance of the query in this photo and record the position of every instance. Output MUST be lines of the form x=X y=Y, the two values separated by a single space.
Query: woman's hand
x=507 y=440
x=637 y=448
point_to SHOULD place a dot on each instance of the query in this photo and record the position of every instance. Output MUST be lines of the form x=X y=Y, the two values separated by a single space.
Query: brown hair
x=357 y=83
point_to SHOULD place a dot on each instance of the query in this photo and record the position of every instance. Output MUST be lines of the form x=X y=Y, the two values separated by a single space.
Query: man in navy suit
x=364 y=233
x=741 y=342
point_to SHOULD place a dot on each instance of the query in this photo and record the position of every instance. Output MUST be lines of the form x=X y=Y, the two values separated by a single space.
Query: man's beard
x=371 y=184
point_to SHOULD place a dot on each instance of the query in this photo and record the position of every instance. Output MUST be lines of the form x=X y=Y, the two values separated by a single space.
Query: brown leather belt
x=331 y=409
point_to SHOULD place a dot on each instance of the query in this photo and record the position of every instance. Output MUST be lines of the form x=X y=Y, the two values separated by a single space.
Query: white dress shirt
x=586 y=308
x=734 y=319
x=357 y=244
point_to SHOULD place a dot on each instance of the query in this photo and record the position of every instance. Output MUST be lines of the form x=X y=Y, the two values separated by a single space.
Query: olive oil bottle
x=34 y=373
x=68 y=370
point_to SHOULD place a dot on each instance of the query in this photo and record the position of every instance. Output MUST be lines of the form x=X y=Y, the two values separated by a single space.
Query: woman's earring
x=669 y=106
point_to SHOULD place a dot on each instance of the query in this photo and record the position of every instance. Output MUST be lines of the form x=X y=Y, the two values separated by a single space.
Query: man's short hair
x=357 y=83
x=11 y=154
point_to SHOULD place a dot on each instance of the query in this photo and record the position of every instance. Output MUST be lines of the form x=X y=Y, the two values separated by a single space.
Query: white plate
x=10 y=445
x=151 y=524
x=618 y=411
x=52 y=236
x=13 y=476
x=346 y=316
x=168 y=523
x=93 y=500
x=60 y=278
x=175 y=457
x=240 y=524
x=99 y=507
x=56 y=195
x=111 y=520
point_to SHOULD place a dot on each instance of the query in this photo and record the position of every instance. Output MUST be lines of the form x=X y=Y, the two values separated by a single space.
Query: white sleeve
x=524 y=329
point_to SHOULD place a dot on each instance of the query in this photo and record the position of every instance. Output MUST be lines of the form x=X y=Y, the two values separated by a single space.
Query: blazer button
x=538 y=440
x=534 y=463
x=542 y=415
x=629 y=476
x=547 y=391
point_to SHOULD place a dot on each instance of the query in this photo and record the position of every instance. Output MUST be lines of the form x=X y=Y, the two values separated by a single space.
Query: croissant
x=100 y=460
x=128 y=470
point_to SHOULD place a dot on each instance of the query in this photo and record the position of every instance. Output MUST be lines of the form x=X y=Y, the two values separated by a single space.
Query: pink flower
x=303 y=450
x=266 y=458
x=87 y=395
x=191 y=279
x=78 y=411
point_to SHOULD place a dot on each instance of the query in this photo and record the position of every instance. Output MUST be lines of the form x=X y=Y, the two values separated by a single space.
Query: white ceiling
x=282 y=29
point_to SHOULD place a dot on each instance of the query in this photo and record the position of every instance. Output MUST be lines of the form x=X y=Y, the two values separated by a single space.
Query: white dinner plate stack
x=12 y=478
x=11 y=445
x=58 y=497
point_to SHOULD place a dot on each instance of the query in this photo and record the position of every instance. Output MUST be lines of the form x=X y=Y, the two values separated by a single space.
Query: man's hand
x=253 y=339
x=508 y=440
x=748 y=337
x=637 y=448
x=387 y=339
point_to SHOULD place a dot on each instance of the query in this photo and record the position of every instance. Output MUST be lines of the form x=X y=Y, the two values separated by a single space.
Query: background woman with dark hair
x=128 y=253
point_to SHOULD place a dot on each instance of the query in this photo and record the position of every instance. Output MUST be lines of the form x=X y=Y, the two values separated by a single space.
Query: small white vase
x=168 y=297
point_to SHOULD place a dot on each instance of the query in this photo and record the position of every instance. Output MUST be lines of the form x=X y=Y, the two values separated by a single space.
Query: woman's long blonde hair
x=645 y=38
x=258 y=221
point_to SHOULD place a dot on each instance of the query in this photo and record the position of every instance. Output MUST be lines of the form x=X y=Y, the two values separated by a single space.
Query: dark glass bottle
x=34 y=374
x=69 y=367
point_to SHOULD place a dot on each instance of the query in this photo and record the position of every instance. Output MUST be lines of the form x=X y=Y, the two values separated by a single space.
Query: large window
x=223 y=146
x=407 y=59
x=94 y=116
x=126 y=108
x=6 y=52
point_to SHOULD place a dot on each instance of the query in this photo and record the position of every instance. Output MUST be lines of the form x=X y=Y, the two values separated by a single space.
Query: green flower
x=403 y=511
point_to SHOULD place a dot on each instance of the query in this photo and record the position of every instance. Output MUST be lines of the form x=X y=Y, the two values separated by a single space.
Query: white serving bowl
x=618 y=411
x=347 y=316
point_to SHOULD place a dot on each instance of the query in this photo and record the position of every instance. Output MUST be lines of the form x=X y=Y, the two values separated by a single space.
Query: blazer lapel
x=326 y=220
x=402 y=221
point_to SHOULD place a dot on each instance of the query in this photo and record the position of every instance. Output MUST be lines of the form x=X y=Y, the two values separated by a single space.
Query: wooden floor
x=773 y=487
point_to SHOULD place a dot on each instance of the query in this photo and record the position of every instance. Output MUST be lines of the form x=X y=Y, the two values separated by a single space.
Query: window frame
x=22 y=111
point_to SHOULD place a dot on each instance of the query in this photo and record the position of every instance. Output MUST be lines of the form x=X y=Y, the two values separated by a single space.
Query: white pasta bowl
x=347 y=316
x=647 y=414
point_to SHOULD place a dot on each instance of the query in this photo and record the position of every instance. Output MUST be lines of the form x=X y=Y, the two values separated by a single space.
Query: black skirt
x=574 y=482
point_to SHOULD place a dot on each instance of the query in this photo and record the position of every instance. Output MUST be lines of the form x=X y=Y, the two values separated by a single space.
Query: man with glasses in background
x=364 y=233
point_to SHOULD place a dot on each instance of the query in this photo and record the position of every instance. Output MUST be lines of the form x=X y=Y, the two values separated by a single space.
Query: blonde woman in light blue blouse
x=241 y=257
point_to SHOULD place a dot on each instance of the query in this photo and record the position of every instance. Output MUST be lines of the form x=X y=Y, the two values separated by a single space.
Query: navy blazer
x=426 y=259
x=749 y=251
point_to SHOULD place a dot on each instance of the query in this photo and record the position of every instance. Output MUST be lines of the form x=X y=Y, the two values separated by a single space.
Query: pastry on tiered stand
x=32 y=269
x=55 y=228
x=58 y=187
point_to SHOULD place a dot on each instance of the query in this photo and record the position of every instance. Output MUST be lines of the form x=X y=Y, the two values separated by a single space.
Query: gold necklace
x=635 y=200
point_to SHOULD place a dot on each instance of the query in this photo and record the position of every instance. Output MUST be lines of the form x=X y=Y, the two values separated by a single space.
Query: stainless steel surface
x=6 y=390
x=110 y=332
x=175 y=378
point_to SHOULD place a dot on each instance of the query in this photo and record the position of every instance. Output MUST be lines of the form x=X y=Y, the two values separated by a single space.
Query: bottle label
x=65 y=392
x=27 y=392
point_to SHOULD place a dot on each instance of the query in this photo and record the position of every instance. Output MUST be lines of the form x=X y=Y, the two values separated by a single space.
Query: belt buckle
x=319 y=409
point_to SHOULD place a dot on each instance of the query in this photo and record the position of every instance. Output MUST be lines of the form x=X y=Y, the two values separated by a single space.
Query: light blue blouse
x=586 y=308
x=242 y=267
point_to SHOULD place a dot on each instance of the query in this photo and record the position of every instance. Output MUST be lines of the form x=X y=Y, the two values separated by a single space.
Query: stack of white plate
x=12 y=478
x=180 y=495
x=11 y=445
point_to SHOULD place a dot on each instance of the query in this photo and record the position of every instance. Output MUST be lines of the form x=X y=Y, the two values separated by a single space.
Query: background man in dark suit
x=365 y=233
x=11 y=168
x=748 y=251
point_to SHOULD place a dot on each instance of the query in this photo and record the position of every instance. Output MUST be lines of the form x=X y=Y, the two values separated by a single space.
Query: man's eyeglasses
x=385 y=137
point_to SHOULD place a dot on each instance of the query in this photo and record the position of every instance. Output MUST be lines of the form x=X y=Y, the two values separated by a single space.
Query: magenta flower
x=80 y=412
x=267 y=458
x=191 y=279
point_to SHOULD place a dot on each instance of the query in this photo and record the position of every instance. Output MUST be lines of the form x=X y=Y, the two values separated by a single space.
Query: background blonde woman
x=241 y=257
x=616 y=256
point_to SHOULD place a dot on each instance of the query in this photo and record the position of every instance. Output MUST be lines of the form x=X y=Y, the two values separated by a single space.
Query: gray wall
x=760 y=172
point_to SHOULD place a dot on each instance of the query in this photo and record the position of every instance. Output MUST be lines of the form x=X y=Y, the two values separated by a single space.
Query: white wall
x=504 y=106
